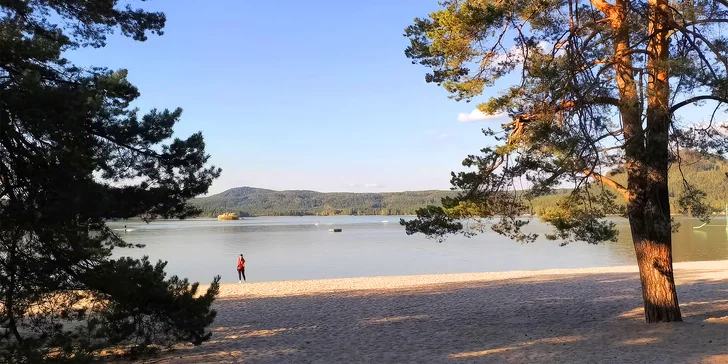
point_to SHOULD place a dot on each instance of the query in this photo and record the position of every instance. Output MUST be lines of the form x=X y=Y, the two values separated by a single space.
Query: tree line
x=707 y=172
x=248 y=201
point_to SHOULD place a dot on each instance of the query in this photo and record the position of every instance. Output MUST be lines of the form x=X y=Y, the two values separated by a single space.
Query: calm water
x=285 y=248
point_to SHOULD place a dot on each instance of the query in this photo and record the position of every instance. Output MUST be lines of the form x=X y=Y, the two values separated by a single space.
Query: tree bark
x=658 y=286
x=649 y=205
x=10 y=306
x=646 y=153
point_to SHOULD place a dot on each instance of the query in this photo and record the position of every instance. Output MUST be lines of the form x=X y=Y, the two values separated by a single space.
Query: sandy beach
x=589 y=315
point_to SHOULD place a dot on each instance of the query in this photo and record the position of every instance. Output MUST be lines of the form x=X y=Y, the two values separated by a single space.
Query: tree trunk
x=646 y=154
x=650 y=223
x=658 y=285
x=649 y=218
x=649 y=202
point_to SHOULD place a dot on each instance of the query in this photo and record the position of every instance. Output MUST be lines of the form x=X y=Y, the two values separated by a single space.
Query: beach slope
x=589 y=315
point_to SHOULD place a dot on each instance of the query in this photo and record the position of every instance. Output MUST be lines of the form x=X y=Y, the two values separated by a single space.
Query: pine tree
x=597 y=87
x=73 y=154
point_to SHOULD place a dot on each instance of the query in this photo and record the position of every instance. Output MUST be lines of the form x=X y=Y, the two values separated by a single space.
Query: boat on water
x=228 y=216
x=335 y=230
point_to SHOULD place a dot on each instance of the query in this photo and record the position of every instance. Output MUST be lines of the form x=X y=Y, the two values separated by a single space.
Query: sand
x=553 y=316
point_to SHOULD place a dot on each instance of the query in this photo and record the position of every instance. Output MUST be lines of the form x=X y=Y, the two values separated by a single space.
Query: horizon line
x=308 y=190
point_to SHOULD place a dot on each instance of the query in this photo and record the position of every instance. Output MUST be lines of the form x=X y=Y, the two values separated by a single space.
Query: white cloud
x=721 y=128
x=516 y=54
x=545 y=46
x=513 y=55
x=477 y=115
x=442 y=136
x=372 y=185
x=548 y=47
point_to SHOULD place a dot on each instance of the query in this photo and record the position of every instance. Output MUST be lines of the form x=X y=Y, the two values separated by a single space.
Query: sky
x=314 y=95
x=311 y=95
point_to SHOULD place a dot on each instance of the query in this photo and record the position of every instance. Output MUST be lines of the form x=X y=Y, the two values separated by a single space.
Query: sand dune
x=556 y=316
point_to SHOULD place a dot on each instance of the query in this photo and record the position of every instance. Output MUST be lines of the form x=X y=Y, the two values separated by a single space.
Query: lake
x=292 y=248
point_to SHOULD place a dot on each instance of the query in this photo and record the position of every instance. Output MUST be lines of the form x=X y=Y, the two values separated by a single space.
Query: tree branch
x=612 y=133
x=609 y=182
x=599 y=100
x=696 y=99
x=147 y=153
x=610 y=148
x=704 y=21
x=722 y=2
x=716 y=52
x=603 y=6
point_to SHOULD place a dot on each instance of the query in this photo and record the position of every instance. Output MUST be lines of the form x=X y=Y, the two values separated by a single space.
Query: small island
x=228 y=216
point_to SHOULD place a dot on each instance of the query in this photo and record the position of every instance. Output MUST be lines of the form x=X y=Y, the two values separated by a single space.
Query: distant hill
x=251 y=201
x=708 y=174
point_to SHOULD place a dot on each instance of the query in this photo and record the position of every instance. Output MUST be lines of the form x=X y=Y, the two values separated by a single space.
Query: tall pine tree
x=74 y=153
x=595 y=89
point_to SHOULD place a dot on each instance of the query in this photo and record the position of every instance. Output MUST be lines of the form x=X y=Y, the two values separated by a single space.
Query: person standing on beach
x=241 y=269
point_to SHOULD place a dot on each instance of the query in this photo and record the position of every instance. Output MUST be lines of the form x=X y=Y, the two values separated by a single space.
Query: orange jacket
x=241 y=263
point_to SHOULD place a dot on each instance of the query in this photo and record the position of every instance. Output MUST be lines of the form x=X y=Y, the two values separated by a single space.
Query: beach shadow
x=589 y=318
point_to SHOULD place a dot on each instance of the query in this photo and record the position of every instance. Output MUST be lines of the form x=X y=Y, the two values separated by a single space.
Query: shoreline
x=384 y=283
x=525 y=216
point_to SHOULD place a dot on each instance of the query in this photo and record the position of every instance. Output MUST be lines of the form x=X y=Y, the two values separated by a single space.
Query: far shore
x=591 y=315
x=383 y=216
x=522 y=216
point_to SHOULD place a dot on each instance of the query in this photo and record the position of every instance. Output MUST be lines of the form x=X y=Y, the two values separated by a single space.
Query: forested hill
x=708 y=174
x=251 y=201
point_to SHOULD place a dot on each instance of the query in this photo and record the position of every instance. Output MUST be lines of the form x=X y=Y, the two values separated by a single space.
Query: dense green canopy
x=74 y=153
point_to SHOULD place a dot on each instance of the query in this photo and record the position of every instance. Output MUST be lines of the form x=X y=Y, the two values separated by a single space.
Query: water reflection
x=707 y=243
x=689 y=245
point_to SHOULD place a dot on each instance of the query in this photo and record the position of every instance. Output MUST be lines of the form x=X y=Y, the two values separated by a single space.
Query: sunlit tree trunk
x=654 y=257
x=646 y=155
x=649 y=211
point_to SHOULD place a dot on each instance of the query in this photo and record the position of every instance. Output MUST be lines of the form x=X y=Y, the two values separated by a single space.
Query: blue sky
x=301 y=94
